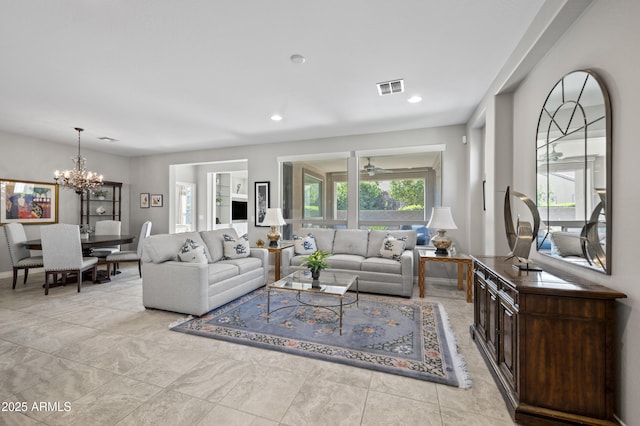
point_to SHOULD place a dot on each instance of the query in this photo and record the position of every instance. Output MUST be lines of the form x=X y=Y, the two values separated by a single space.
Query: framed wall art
x=28 y=202
x=262 y=201
x=144 y=200
x=156 y=200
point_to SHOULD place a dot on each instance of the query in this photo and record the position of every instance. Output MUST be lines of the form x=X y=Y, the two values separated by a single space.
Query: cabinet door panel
x=508 y=349
x=480 y=310
x=492 y=323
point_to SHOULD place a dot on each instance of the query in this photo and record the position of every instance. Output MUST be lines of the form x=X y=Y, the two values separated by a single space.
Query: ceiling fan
x=551 y=156
x=371 y=170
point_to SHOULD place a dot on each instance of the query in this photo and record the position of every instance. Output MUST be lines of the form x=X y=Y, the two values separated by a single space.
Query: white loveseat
x=358 y=251
x=197 y=288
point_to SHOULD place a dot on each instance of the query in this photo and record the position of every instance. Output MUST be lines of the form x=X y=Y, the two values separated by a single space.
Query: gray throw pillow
x=567 y=243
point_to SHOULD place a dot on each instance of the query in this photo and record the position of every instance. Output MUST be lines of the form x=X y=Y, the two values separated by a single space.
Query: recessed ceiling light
x=414 y=99
x=276 y=117
x=297 y=58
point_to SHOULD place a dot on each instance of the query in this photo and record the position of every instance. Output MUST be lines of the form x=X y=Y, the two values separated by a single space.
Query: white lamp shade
x=441 y=218
x=274 y=217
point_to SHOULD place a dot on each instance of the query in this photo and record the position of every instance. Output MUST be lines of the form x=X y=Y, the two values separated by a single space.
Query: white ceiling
x=170 y=75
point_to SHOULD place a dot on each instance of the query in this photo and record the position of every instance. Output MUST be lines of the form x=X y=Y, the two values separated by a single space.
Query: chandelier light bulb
x=78 y=179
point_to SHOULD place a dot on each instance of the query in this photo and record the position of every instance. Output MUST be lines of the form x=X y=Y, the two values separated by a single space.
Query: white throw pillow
x=236 y=249
x=192 y=252
x=392 y=248
x=305 y=245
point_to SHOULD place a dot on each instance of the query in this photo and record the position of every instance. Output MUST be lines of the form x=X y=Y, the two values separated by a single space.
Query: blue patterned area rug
x=399 y=336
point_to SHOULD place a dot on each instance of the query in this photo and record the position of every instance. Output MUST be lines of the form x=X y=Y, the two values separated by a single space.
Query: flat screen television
x=238 y=210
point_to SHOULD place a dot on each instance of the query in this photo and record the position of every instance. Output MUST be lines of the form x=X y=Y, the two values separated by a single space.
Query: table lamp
x=273 y=218
x=441 y=220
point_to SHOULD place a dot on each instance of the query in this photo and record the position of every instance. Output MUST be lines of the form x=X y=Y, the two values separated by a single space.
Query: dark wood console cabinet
x=548 y=339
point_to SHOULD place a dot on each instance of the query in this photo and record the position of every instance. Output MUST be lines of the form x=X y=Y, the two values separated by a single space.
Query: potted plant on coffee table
x=316 y=262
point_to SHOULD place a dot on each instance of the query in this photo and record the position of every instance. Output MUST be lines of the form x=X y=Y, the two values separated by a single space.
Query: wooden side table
x=277 y=251
x=460 y=259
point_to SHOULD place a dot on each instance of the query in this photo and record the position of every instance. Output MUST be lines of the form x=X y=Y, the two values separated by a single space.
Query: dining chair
x=130 y=256
x=62 y=254
x=106 y=227
x=20 y=255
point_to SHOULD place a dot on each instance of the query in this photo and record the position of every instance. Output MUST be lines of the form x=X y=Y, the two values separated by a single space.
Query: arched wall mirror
x=573 y=155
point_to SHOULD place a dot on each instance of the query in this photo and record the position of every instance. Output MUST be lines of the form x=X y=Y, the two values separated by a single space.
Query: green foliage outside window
x=341 y=195
x=402 y=195
x=371 y=196
x=409 y=192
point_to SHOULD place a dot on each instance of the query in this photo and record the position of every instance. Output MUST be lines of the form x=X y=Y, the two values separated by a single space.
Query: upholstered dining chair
x=130 y=256
x=106 y=227
x=62 y=254
x=20 y=255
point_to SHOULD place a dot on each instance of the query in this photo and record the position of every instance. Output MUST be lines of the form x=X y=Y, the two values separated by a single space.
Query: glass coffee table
x=334 y=284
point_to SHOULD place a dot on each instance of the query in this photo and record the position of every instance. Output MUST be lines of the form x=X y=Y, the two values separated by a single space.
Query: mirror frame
x=589 y=239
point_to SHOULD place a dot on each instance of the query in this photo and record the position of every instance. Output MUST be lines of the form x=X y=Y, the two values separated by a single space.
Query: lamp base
x=273 y=237
x=441 y=242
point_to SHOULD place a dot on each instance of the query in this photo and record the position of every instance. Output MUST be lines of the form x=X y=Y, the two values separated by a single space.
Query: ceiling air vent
x=391 y=87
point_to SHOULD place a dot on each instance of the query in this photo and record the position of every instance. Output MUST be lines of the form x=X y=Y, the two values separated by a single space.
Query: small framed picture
x=156 y=200
x=144 y=200
x=262 y=201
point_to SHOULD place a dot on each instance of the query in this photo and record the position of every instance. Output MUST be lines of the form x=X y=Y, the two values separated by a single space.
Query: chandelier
x=79 y=179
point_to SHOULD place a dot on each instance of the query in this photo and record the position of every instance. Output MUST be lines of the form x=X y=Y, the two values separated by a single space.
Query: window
x=394 y=190
x=397 y=190
x=308 y=192
x=185 y=209
x=313 y=194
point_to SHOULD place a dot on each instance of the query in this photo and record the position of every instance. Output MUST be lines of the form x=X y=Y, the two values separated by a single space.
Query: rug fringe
x=462 y=374
x=180 y=321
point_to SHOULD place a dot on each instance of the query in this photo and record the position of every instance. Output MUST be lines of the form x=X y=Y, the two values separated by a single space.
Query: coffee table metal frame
x=334 y=284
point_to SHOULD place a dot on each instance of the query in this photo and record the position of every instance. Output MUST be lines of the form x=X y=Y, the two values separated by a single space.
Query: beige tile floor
x=99 y=358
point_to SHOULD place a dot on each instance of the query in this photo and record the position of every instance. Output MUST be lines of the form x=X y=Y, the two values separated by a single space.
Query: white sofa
x=358 y=251
x=197 y=288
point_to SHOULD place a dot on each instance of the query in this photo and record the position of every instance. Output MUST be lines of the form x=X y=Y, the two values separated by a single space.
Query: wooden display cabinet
x=549 y=342
x=111 y=203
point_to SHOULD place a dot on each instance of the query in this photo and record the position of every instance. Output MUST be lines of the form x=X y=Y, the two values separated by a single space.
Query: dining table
x=88 y=244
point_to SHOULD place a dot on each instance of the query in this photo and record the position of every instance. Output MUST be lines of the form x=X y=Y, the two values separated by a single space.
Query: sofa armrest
x=285 y=259
x=176 y=286
x=263 y=255
x=406 y=260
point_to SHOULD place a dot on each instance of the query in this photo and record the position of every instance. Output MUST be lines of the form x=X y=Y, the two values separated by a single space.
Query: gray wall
x=150 y=174
x=604 y=39
x=36 y=160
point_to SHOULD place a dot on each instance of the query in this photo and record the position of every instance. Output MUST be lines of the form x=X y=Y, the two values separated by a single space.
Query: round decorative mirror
x=573 y=155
